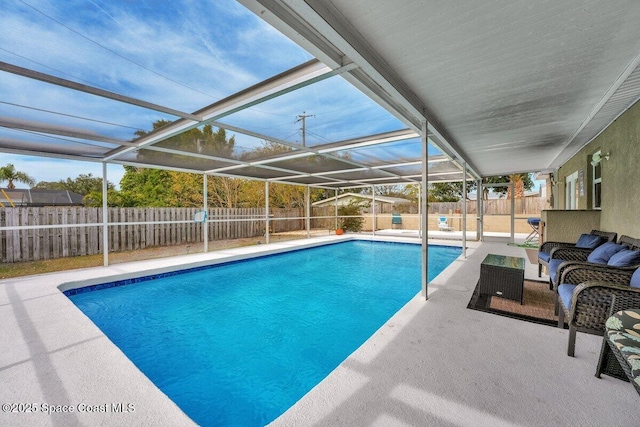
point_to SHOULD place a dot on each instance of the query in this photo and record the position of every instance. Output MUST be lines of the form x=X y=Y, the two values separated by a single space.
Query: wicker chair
x=611 y=361
x=568 y=251
x=584 y=295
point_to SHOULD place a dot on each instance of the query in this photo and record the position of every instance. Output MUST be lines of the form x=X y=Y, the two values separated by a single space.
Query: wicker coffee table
x=502 y=276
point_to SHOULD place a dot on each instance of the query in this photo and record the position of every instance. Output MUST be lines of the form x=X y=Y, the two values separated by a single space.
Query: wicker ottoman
x=502 y=276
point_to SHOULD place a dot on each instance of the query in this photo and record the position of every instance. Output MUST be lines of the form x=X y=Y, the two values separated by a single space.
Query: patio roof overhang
x=505 y=88
x=502 y=90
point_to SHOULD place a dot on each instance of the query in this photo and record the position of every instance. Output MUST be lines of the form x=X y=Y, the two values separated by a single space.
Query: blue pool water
x=239 y=343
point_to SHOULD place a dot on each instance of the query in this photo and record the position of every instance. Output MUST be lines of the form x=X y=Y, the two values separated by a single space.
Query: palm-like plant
x=518 y=186
x=10 y=174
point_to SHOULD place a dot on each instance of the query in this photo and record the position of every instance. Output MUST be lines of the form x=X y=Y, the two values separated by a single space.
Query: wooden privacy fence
x=526 y=206
x=130 y=230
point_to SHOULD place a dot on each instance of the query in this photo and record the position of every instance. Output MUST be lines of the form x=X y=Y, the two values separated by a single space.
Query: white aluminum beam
x=31 y=74
x=28 y=125
x=382 y=138
x=295 y=78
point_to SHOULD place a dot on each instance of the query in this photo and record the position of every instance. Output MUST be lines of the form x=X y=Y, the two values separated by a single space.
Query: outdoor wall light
x=597 y=158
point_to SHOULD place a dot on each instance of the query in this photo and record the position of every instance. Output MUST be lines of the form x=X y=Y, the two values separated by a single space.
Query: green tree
x=114 y=199
x=148 y=187
x=524 y=182
x=452 y=191
x=10 y=174
x=84 y=184
x=448 y=191
x=144 y=187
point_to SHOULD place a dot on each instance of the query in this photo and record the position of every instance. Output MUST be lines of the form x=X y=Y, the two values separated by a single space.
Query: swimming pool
x=239 y=343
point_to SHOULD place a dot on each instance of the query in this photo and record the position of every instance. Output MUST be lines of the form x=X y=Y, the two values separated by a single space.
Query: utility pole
x=303 y=118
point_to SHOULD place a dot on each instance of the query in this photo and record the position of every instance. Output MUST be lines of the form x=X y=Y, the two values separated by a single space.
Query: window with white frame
x=597 y=181
x=571 y=191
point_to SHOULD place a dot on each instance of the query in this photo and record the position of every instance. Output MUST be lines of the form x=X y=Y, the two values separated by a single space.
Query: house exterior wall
x=620 y=209
x=567 y=226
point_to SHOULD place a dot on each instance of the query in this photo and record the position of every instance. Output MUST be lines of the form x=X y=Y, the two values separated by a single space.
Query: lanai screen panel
x=442 y=170
x=225 y=143
x=316 y=164
x=151 y=157
x=22 y=140
x=409 y=150
x=259 y=173
x=175 y=59
x=334 y=110
x=30 y=106
x=180 y=54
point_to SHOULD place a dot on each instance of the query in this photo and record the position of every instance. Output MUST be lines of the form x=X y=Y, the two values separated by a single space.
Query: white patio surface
x=434 y=363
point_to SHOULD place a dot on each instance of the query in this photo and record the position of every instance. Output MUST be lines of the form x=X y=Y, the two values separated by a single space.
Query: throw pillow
x=589 y=241
x=603 y=253
x=635 y=279
x=624 y=258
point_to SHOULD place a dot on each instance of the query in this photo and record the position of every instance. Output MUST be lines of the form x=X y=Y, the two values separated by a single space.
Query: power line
x=113 y=51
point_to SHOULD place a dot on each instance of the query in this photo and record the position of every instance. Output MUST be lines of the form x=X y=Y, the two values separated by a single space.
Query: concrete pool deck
x=433 y=363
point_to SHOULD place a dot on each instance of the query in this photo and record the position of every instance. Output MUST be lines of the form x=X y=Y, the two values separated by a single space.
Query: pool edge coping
x=61 y=329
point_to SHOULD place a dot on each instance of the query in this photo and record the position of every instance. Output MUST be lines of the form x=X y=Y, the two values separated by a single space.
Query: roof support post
x=307 y=215
x=479 y=193
x=425 y=217
x=205 y=206
x=266 y=213
x=373 y=217
x=336 y=210
x=464 y=209
x=513 y=212
x=105 y=218
x=420 y=211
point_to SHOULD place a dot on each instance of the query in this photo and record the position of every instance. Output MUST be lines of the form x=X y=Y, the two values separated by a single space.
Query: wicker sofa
x=570 y=251
x=576 y=255
x=585 y=289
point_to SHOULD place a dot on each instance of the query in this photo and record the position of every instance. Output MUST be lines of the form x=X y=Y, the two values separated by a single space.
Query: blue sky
x=181 y=54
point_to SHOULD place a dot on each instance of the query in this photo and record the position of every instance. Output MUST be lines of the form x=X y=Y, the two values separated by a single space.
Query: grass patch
x=525 y=245
x=19 y=269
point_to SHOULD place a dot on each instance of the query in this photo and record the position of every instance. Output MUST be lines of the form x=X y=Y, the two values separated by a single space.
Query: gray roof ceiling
x=505 y=86
x=513 y=86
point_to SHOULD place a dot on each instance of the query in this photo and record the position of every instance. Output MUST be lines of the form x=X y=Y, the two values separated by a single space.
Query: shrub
x=351 y=223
